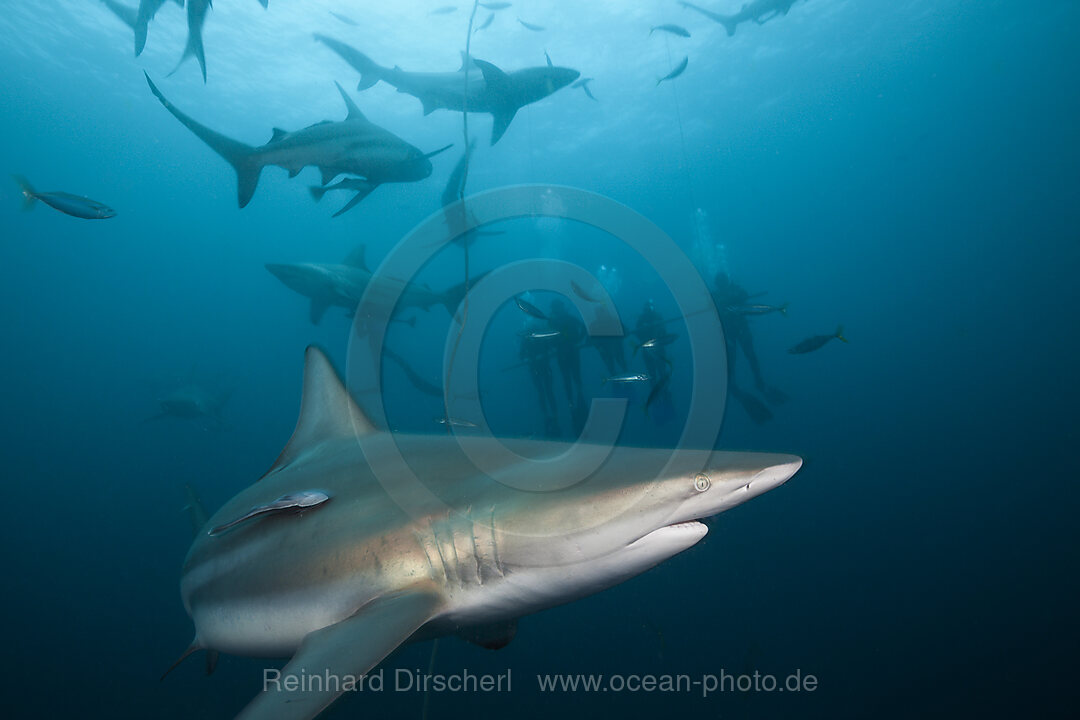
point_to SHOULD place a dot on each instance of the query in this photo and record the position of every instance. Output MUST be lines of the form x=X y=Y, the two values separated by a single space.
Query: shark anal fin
x=349 y=648
x=500 y=122
x=493 y=636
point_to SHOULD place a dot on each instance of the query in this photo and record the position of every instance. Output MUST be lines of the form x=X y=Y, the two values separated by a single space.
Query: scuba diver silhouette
x=568 y=342
x=729 y=297
x=536 y=351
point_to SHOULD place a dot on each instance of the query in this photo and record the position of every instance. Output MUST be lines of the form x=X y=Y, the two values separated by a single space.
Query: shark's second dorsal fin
x=326 y=411
x=354 y=111
x=357 y=257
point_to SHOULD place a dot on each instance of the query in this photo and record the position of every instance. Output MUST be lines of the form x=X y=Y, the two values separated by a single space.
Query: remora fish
x=433 y=547
x=488 y=89
x=74 y=205
x=673 y=29
x=353 y=146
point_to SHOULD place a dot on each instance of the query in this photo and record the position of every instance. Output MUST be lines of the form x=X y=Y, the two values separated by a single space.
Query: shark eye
x=702 y=482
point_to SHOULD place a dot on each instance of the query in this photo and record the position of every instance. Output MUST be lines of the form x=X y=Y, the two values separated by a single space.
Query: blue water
x=906 y=169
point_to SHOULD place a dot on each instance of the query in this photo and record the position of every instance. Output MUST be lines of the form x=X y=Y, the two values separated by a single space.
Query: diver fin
x=349 y=648
x=326 y=410
x=493 y=636
x=840 y=334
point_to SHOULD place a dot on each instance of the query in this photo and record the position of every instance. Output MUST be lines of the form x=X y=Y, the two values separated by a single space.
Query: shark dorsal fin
x=357 y=258
x=326 y=410
x=277 y=134
x=354 y=111
x=495 y=79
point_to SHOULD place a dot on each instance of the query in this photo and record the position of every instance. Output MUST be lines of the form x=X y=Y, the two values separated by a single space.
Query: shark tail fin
x=245 y=159
x=840 y=334
x=126 y=13
x=370 y=72
x=27 y=190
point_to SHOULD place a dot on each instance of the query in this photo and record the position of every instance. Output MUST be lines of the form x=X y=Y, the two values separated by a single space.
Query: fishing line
x=464 y=213
x=682 y=136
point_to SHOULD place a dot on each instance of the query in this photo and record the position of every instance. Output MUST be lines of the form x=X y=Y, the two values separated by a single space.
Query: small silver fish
x=627 y=378
x=530 y=26
x=292 y=503
x=455 y=422
x=540 y=335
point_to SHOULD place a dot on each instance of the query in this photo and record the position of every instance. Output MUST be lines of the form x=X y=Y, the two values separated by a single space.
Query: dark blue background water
x=907 y=169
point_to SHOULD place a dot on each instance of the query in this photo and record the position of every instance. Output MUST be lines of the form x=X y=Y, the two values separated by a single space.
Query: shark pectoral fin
x=345 y=650
x=493 y=636
x=501 y=121
x=327 y=411
x=318 y=309
x=357 y=199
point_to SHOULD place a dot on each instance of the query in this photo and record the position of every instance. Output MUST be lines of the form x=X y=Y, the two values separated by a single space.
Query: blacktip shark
x=353 y=146
x=477 y=85
x=384 y=559
x=758 y=11
x=343 y=285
